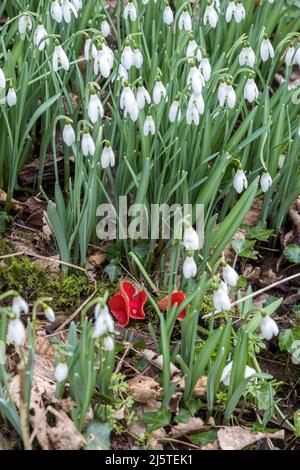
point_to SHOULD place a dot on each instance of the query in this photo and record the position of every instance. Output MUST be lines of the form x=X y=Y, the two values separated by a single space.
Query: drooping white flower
x=95 y=108
x=198 y=102
x=68 y=135
x=49 y=314
x=60 y=58
x=297 y=57
x=11 y=97
x=221 y=299
x=16 y=332
x=250 y=90
x=265 y=181
x=230 y=275
x=105 y=28
x=101 y=63
x=175 y=111
x=192 y=114
x=138 y=58
x=25 y=24
x=67 y=10
x=268 y=328
x=230 y=11
x=121 y=74
x=128 y=103
x=142 y=97
x=193 y=50
x=247 y=57
x=159 y=92
x=266 y=50
x=104 y=321
x=185 y=21
x=168 y=15
x=205 y=68
x=195 y=80
x=240 y=181
x=77 y=4
x=39 y=37
x=127 y=57
x=90 y=49
x=189 y=267
x=149 y=126
x=108 y=343
x=56 y=11
x=226 y=95
x=61 y=372
x=2 y=80
x=87 y=143
x=225 y=378
x=19 y=305
x=191 y=240
x=130 y=11
x=239 y=13
x=210 y=16
x=290 y=56
x=109 y=54
x=107 y=156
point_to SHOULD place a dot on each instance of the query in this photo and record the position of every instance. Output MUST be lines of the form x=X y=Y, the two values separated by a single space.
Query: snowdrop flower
x=159 y=91
x=281 y=160
x=105 y=28
x=192 y=114
x=268 y=328
x=108 y=343
x=130 y=11
x=61 y=372
x=104 y=321
x=60 y=58
x=49 y=314
x=95 y=108
x=107 y=156
x=109 y=54
x=221 y=299
x=247 y=57
x=87 y=143
x=56 y=11
x=149 y=126
x=290 y=56
x=101 y=63
x=2 y=80
x=16 y=332
x=210 y=16
x=174 y=111
x=297 y=57
x=250 y=90
x=266 y=50
x=240 y=181
x=230 y=11
x=11 y=97
x=67 y=10
x=205 y=68
x=225 y=378
x=168 y=15
x=138 y=58
x=121 y=74
x=198 y=102
x=38 y=37
x=68 y=135
x=185 y=21
x=142 y=96
x=265 y=181
x=127 y=57
x=189 y=267
x=195 y=80
x=127 y=99
x=77 y=4
x=226 y=95
x=191 y=240
x=193 y=49
x=19 y=305
x=90 y=49
x=230 y=275
x=295 y=361
x=239 y=13
x=25 y=23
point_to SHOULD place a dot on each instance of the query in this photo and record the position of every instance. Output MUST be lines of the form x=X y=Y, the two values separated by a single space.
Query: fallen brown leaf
x=64 y=435
x=237 y=438
x=143 y=389
x=191 y=426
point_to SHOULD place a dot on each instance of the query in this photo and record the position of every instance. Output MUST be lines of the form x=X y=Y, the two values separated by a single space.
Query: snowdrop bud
x=168 y=15
x=205 y=68
x=127 y=57
x=19 y=305
x=250 y=90
x=16 y=332
x=185 y=21
x=108 y=343
x=68 y=135
x=87 y=143
x=142 y=97
x=11 y=97
x=191 y=240
x=265 y=182
x=38 y=37
x=95 y=108
x=268 y=328
x=266 y=50
x=138 y=58
x=240 y=181
x=105 y=28
x=239 y=13
x=107 y=156
x=290 y=56
x=281 y=161
x=225 y=378
x=175 y=112
x=210 y=16
x=130 y=11
x=104 y=321
x=159 y=92
x=221 y=299
x=56 y=11
x=60 y=57
x=25 y=23
x=230 y=276
x=189 y=267
x=61 y=372
x=230 y=11
x=67 y=10
x=49 y=314
x=2 y=80
x=149 y=126
x=90 y=49
x=101 y=63
x=247 y=57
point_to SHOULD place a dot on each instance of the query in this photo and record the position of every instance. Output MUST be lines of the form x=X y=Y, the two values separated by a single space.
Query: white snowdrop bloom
x=138 y=58
x=77 y=4
x=268 y=328
x=195 y=80
x=290 y=56
x=240 y=181
x=68 y=135
x=105 y=28
x=216 y=4
x=127 y=99
x=90 y=49
x=101 y=63
x=175 y=111
x=159 y=92
x=281 y=160
x=16 y=332
x=226 y=95
x=225 y=378
x=61 y=372
x=108 y=343
x=192 y=115
x=193 y=50
x=149 y=126
x=104 y=321
x=239 y=13
x=265 y=181
x=25 y=24
x=49 y=314
x=297 y=57
x=295 y=361
x=107 y=156
x=134 y=113
x=221 y=299
x=247 y=57
x=189 y=267
x=127 y=57
x=56 y=11
x=210 y=16
x=109 y=54
x=145 y=2
x=87 y=144
x=11 y=97
x=191 y=240
x=197 y=100
x=205 y=68
x=130 y=11
x=19 y=305
x=230 y=275
x=95 y=108
x=168 y=15
x=67 y=10
x=38 y=37
x=60 y=58
x=121 y=74
x=142 y=97
x=250 y=90
x=266 y=50
x=2 y=80
x=185 y=21
x=230 y=11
